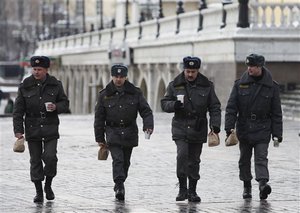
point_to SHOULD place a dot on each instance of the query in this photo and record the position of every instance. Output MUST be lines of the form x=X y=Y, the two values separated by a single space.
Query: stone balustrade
x=154 y=49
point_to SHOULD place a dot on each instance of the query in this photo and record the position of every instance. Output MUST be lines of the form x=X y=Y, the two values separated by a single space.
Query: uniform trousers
x=260 y=161
x=121 y=161
x=40 y=152
x=188 y=159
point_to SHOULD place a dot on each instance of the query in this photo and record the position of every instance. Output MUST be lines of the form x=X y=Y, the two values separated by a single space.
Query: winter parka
x=254 y=107
x=199 y=99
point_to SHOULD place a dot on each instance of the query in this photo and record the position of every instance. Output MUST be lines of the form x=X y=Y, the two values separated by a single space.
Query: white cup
x=147 y=135
x=46 y=105
x=180 y=98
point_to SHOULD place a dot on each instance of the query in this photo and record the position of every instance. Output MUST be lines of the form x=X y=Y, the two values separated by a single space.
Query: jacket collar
x=128 y=88
x=31 y=81
x=201 y=80
x=266 y=79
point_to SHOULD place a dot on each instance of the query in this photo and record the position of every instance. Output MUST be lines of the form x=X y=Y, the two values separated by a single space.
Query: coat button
x=120 y=106
x=40 y=97
x=188 y=127
x=122 y=133
x=41 y=125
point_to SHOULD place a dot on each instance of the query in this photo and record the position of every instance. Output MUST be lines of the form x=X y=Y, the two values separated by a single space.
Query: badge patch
x=243 y=86
x=191 y=63
x=37 y=61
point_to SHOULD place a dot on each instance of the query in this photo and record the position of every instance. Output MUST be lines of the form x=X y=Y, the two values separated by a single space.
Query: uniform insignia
x=247 y=61
x=108 y=97
x=243 y=86
x=119 y=70
x=37 y=61
x=179 y=87
x=191 y=63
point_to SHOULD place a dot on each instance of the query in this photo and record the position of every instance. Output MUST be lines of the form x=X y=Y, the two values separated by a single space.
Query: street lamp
x=160 y=14
x=83 y=16
x=126 y=15
x=101 y=14
x=203 y=4
x=243 y=14
x=224 y=13
x=179 y=8
x=68 y=18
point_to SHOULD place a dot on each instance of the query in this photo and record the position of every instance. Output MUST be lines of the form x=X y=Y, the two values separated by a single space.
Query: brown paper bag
x=213 y=139
x=103 y=153
x=232 y=139
x=19 y=145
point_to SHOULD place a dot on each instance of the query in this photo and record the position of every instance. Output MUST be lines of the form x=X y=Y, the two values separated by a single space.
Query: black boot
x=192 y=195
x=119 y=191
x=182 y=195
x=48 y=190
x=264 y=189
x=39 y=197
x=247 y=193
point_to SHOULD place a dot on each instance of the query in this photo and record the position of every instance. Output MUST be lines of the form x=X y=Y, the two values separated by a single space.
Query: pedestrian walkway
x=84 y=184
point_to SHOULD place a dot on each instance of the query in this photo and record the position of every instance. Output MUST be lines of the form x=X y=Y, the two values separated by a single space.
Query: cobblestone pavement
x=84 y=184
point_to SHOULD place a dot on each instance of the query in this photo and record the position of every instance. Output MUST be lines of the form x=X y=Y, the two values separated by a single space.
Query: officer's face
x=190 y=74
x=254 y=70
x=39 y=73
x=118 y=80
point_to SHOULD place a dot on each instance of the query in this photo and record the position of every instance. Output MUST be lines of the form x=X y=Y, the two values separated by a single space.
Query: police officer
x=189 y=124
x=41 y=123
x=254 y=107
x=115 y=116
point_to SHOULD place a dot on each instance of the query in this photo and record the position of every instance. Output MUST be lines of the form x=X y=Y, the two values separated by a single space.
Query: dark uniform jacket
x=255 y=108
x=116 y=114
x=32 y=95
x=203 y=99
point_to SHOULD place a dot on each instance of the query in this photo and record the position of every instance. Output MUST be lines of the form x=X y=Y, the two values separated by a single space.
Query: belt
x=121 y=124
x=254 y=116
x=42 y=115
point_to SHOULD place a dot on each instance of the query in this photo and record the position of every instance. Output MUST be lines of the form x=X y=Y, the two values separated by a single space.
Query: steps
x=290 y=102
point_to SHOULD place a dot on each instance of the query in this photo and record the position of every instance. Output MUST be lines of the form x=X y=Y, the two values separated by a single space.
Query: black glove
x=178 y=105
x=279 y=138
x=215 y=129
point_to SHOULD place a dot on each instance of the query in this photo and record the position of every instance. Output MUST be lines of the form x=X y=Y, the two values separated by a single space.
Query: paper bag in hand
x=103 y=152
x=213 y=139
x=232 y=139
x=19 y=145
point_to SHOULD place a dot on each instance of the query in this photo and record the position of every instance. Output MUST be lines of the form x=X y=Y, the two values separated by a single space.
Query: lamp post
x=68 y=18
x=160 y=14
x=43 y=19
x=179 y=11
x=101 y=14
x=179 y=8
x=224 y=13
x=203 y=4
x=83 y=16
x=126 y=11
x=200 y=25
x=243 y=21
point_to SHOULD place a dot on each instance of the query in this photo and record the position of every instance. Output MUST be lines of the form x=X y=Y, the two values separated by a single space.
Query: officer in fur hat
x=190 y=125
x=41 y=122
x=254 y=108
x=115 y=123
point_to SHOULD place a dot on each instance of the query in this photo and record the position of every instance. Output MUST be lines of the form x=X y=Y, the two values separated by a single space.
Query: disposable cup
x=147 y=135
x=46 y=105
x=180 y=98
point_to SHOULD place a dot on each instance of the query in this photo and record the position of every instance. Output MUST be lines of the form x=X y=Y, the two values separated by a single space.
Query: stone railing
x=275 y=15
